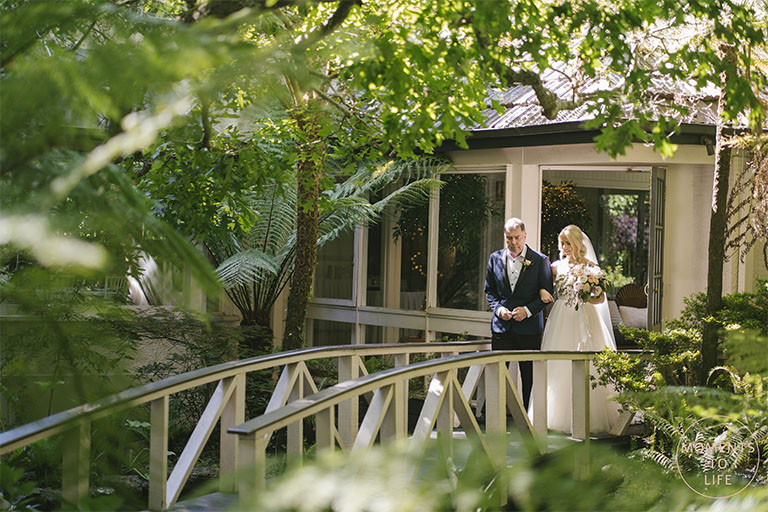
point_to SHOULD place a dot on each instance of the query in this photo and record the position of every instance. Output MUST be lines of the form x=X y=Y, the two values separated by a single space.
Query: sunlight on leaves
x=33 y=233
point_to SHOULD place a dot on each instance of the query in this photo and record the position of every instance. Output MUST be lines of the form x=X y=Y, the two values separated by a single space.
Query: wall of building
x=689 y=191
x=686 y=237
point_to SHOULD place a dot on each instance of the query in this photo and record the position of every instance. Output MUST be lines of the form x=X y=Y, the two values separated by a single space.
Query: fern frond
x=671 y=430
x=246 y=267
x=658 y=457
x=734 y=378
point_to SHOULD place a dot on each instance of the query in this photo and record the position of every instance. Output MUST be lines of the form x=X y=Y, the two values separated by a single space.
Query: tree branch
x=550 y=103
x=223 y=8
x=337 y=18
x=206 y=121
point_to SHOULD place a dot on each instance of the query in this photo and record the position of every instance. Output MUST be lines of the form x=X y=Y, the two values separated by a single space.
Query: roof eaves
x=570 y=132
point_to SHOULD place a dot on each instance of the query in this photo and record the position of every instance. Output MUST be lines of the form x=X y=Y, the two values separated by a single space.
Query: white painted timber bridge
x=488 y=382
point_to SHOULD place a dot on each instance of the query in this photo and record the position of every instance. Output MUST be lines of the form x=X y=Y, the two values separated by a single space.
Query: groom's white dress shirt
x=514 y=269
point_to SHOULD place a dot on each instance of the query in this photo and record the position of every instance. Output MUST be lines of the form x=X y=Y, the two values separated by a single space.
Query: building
x=426 y=284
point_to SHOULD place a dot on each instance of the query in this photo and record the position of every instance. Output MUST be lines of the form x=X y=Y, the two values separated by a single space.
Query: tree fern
x=255 y=264
x=247 y=267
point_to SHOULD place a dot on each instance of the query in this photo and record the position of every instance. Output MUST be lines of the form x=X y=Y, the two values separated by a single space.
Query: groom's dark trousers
x=511 y=341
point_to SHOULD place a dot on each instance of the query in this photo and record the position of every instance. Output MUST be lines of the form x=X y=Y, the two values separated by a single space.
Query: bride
x=586 y=327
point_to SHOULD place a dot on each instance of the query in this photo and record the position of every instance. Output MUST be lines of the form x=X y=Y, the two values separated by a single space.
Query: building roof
x=522 y=122
x=523 y=110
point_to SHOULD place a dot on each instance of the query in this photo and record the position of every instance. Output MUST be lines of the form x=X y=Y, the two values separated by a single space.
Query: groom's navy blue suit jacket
x=533 y=277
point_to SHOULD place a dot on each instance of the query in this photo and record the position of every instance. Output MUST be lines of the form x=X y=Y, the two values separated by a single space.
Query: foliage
x=64 y=348
x=672 y=358
x=748 y=198
x=189 y=344
x=256 y=263
x=411 y=91
x=561 y=205
x=14 y=490
x=200 y=190
x=658 y=384
x=579 y=477
x=65 y=201
x=748 y=310
x=671 y=411
x=615 y=276
x=84 y=84
x=87 y=84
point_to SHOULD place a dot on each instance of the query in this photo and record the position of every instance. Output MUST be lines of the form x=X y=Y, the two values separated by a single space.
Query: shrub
x=660 y=383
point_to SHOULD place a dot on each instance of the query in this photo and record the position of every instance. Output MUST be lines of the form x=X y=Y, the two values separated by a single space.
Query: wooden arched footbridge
x=489 y=383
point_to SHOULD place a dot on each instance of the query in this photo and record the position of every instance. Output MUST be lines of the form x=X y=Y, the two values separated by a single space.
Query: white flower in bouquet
x=581 y=283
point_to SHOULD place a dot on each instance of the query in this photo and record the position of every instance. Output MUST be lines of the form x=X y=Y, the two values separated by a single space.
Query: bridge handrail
x=447 y=401
x=62 y=421
x=338 y=393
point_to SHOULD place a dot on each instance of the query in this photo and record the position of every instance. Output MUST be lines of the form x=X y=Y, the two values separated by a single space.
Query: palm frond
x=348 y=206
x=374 y=177
x=733 y=377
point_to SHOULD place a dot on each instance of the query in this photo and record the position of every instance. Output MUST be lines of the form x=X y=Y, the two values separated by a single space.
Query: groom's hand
x=519 y=314
x=505 y=314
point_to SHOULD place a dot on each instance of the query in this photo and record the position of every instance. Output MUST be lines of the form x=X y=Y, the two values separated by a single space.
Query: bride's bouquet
x=581 y=283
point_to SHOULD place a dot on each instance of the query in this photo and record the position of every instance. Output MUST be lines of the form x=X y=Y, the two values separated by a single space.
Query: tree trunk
x=718 y=222
x=308 y=173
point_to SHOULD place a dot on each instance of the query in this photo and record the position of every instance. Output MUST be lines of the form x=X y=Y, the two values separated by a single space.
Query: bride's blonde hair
x=575 y=237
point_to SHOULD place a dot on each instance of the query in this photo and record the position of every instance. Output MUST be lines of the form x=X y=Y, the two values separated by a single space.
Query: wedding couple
x=518 y=283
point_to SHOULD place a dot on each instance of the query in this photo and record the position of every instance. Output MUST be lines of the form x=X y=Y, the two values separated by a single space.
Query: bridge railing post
x=324 y=430
x=404 y=359
x=580 y=399
x=252 y=474
x=295 y=431
x=76 y=458
x=496 y=403
x=232 y=415
x=349 y=368
x=395 y=424
x=158 y=453
x=539 y=399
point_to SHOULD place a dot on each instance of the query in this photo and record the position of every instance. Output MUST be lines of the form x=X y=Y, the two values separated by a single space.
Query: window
x=471 y=227
x=612 y=207
x=375 y=268
x=335 y=268
x=327 y=333
x=411 y=229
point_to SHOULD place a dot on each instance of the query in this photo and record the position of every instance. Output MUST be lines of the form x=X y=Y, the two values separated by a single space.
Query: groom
x=513 y=279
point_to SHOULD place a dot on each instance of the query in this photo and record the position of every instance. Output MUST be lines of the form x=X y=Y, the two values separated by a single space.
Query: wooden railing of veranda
x=227 y=405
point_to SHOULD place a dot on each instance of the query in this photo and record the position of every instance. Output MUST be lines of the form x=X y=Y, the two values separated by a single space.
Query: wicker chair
x=632 y=295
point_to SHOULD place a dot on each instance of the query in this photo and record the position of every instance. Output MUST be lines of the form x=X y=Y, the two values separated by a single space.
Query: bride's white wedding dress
x=583 y=330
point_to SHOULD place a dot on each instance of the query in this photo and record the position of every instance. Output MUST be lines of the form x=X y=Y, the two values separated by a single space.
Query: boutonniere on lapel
x=526 y=264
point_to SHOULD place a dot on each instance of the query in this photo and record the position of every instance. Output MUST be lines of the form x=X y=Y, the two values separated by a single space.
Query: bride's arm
x=599 y=299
